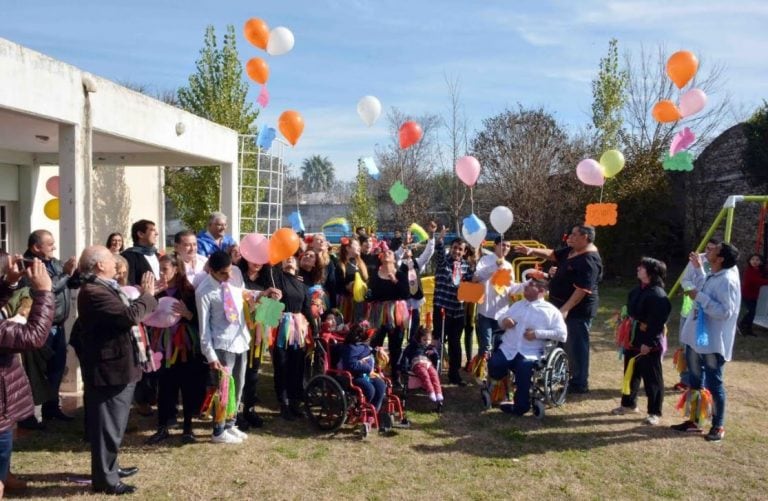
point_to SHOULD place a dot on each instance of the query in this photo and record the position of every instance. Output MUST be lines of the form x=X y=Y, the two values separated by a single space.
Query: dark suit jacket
x=137 y=266
x=108 y=353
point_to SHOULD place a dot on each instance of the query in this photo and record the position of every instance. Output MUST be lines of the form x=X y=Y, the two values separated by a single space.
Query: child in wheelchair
x=420 y=358
x=357 y=357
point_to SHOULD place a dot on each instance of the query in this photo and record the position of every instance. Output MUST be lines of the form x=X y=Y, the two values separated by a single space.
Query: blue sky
x=535 y=53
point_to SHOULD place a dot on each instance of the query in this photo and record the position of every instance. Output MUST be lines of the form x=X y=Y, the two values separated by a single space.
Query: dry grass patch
x=577 y=451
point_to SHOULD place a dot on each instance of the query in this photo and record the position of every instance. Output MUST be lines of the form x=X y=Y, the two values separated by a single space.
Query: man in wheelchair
x=529 y=324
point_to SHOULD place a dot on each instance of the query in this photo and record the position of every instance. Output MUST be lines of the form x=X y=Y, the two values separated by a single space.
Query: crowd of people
x=198 y=321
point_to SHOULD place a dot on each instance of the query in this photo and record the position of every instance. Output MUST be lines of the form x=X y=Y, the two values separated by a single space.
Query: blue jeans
x=488 y=331
x=6 y=447
x=709 y=366
x=374 y=389
x=577 y=349
x=499 y=366
x=54 y=372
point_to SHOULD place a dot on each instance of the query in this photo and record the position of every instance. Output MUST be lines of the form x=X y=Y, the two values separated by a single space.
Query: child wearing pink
x=421 y=353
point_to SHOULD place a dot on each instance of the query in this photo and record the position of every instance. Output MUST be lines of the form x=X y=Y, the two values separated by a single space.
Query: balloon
x=51 y=209
x=410 y=134
x=291 y=125
x=692 y=102
x=369 y=109
x=590 y=172
x=280 y=41
x=263 y=98
x=283 y=244
x=501 y=218
x=52 y=185
x=474 y=239
x=131 y=292
x=419 y=233
x=163 y=316
x=255 y=248
x=665 y=112
x=612 y=162
x=681 y=67
x=256 y=31
x=468 y=170
x=258 y=70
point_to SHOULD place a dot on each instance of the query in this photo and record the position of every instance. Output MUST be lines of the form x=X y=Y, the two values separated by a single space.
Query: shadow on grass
x=54 y=485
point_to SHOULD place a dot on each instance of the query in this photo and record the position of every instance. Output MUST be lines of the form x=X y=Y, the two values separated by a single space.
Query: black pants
x=188 y=377
x=55 y=368
x=289 y=373
x=749 y=317
x=250 y=384
x=454 y=326
x=146 y=389
x=108 y=409
x=647 y=368
x=394 y=337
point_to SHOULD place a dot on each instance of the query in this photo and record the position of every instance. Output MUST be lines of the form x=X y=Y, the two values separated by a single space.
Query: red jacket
x=15 y=393
x=753 y=280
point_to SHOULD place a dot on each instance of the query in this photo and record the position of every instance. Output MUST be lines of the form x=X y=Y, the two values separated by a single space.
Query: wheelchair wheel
x=485 y=396
x=556 y=376
x=326 y=403
x=539 y=409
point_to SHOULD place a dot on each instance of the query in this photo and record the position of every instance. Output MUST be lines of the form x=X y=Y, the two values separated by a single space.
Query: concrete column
x=230 y=198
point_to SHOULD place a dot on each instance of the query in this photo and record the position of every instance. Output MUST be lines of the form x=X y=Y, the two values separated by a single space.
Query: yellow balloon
x=612 y=162
x=51 y=209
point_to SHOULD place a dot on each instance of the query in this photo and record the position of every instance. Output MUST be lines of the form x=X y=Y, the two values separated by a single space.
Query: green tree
x=362 y=207
x=609 y=97
x=317 y=173
x=217 y=92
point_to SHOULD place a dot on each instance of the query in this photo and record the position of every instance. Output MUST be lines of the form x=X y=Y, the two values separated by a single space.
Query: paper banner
x=266 y=136
x=399 y=193
x=682 y=161
x=471 y=292
x=501 y=279
x=294 y=218
x=370 y=165
x=269 y=311
x=601 y=214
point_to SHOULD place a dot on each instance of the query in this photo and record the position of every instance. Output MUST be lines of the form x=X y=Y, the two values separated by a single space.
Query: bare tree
x=413 y=167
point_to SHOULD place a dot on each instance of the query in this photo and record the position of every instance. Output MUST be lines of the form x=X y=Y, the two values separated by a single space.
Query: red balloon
x=283 y=244
x=410 y=134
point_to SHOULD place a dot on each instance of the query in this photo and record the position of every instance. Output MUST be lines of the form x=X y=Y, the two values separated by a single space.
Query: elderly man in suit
x=111 y=361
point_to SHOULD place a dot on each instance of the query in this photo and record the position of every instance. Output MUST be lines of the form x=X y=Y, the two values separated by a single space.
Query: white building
x=105 y=142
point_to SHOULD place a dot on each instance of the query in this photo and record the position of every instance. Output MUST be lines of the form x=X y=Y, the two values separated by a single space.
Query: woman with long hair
x=648 y=308
x=183 y=365
x=388 y=307
x=350 y=265
x=319 y=244
x=289 y=340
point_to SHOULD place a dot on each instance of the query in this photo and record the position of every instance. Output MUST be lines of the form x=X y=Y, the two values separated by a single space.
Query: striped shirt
x=445 y=288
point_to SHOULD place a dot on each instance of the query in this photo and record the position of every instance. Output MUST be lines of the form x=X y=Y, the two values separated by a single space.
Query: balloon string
x=272 y=276
x=601 y=192
x=472 y=199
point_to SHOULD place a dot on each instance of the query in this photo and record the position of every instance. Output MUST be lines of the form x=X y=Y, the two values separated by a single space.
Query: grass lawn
x=576 y=451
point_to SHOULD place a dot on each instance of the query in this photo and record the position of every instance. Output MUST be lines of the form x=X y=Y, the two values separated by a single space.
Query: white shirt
x=154 y=263
x=195 y=270
x=494 y=302
x=422 y=261
x=719 y=294
x=541 y=316
x=216 y=333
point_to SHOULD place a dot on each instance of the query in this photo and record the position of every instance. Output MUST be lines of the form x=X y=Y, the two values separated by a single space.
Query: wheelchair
x=331 y=398
x=549 y=385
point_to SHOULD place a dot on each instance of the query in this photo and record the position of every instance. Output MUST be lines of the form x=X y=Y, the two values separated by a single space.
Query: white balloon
x=474 y=239
x=280 y=41
x=369 y=109
x=501 y=218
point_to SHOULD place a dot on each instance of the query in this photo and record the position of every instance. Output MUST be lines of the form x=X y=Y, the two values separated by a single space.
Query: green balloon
x=612 y=162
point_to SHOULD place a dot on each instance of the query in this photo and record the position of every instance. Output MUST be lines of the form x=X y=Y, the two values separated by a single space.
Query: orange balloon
x=291 y=125
x=410 y=134
x=283 y=244
x=666 y=111
x=681 y=67
x=256 y=31
x=258 y=70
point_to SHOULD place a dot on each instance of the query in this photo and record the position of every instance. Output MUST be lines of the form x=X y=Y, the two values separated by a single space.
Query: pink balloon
x=163 y=316
x=255 y=248
x=131 y=292
x=692 y=102
x=468 y=170
x=52 y=185
x=590 y=172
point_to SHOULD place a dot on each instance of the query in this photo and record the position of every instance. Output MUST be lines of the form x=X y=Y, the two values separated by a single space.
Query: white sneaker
x=236 y=432
x=226 y=438
x=652 y=420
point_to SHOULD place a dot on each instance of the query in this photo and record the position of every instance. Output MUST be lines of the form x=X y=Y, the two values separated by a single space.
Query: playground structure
x=261 y=177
